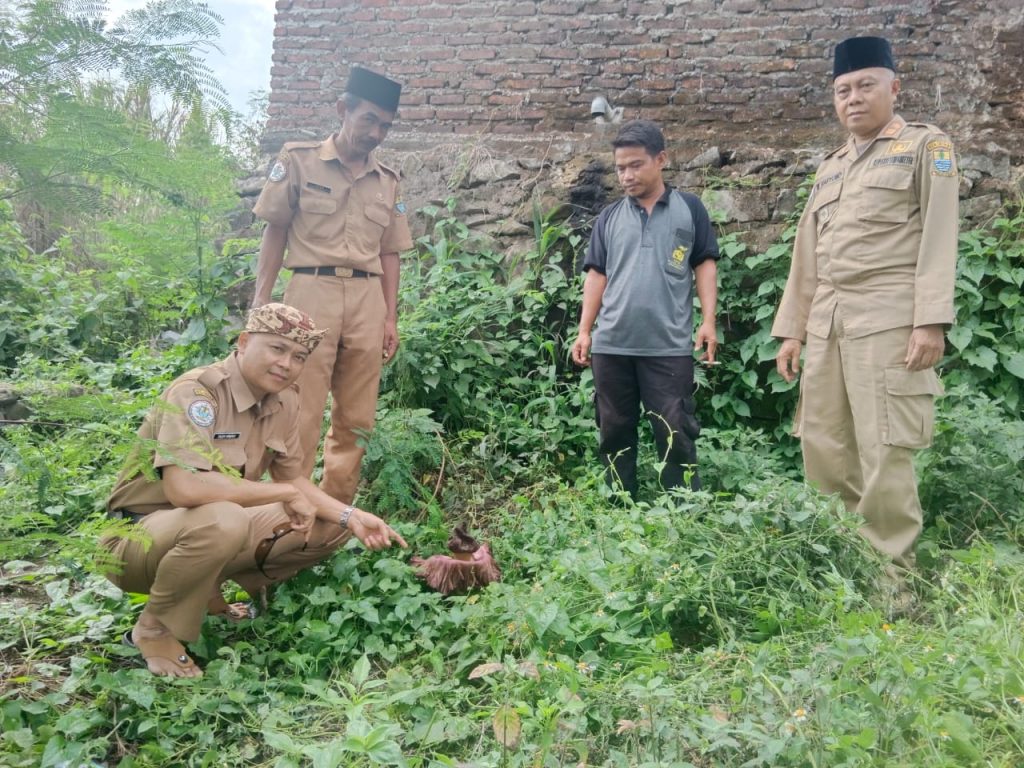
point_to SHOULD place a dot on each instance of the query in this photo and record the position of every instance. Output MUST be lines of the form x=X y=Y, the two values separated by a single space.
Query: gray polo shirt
x=647 y=307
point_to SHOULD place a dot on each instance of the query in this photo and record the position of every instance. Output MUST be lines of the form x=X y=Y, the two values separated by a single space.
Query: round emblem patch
x=278 y=172
x=201 y=413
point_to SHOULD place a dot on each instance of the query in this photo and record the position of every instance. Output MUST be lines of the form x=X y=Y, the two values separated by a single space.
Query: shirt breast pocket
x=678 y=262
x=825 y=204
x=887 y=196
x=274 y=448
x=232 y=455
x=379 y=215
x=318 y=219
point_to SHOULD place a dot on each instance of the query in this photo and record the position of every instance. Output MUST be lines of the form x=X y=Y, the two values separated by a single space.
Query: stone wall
x=759 y=69
x=496 y=105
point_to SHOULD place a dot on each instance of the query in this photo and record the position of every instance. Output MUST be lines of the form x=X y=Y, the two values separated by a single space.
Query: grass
x=700 y=630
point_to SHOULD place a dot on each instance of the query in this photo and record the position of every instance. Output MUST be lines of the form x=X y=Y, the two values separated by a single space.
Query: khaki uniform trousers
x=346 y=363
x=861 y=415
x=194 y=550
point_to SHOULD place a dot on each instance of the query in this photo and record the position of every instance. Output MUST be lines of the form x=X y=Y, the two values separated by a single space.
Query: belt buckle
x=342 y=272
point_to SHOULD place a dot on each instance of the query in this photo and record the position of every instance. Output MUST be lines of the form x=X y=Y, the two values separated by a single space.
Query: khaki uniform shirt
x=208 y=419
x=333 y=220
x=877 y=241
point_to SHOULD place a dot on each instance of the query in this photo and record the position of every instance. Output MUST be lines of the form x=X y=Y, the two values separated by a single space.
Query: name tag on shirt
x=226 y=435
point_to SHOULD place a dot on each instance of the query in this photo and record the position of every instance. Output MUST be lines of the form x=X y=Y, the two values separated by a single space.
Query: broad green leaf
x=983 y=357
x=360 y=671
x=960 y=336
x=540 y=617
x=1015 y=364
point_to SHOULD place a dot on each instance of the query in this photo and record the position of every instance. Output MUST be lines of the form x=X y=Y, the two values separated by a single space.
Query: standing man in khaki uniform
x=870 y=293
x=335 y=218
x=195 y=489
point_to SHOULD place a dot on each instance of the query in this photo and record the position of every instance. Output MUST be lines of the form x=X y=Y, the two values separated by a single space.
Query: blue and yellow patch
x=942 y=162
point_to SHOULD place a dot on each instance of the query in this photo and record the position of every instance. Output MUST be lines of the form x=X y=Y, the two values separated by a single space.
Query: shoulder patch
x=942 y=161
x=278 y=172
x=400 y=207
x=201 y=392
x=939 y=144
x=201 y=413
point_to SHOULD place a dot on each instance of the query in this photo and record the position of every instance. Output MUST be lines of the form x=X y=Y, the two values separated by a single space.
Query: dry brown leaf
x=529 y=669
x=482 y=670
x=507 y=726
x=631 y=725
x=719 y=714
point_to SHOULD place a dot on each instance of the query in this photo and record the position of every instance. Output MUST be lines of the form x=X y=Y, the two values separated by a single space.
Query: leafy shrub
x=484 y=338
x=972 y=478
x=988 y=336
x=403 y=456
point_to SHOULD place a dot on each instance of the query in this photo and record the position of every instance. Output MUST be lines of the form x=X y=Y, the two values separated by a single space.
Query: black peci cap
x=860 y=53
x=373 y=87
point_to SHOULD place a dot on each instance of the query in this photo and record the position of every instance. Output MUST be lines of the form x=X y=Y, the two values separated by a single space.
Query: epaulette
x=213 y=376
x=389 y=169
x=834 y=151
x=928 y=127
x=290 y=145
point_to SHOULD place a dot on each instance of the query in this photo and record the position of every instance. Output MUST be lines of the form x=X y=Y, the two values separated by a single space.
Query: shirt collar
x=240 y=392
x=661 y=200
x=329 y=152
x=892 y=129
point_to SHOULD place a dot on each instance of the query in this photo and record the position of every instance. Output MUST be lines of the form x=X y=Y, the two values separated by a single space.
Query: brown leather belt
x=333 y=272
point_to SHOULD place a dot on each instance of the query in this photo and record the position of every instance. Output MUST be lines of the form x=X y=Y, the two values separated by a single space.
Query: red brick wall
x=751 y=69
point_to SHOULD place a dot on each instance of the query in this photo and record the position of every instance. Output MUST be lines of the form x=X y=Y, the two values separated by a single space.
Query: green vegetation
x=741 y=626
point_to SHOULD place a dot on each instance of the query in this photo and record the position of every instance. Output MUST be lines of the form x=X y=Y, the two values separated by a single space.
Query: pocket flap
x=317 y=204
x=889 y=178
x=379 y=214
x=277 y=446
x=900 y=381
x=827 y=194
x=232 y=456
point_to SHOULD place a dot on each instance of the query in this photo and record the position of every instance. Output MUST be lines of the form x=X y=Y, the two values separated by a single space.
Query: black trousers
x=664 y=385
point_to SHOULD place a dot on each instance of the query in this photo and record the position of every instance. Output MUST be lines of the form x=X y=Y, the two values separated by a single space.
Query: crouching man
x=195 y=486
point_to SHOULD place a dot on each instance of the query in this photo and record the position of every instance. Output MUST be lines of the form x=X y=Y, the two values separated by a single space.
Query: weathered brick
x=475 y=54
x=416 y=113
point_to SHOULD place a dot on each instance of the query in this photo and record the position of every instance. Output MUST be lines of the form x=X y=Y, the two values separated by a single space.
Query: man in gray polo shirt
x=647 y=252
